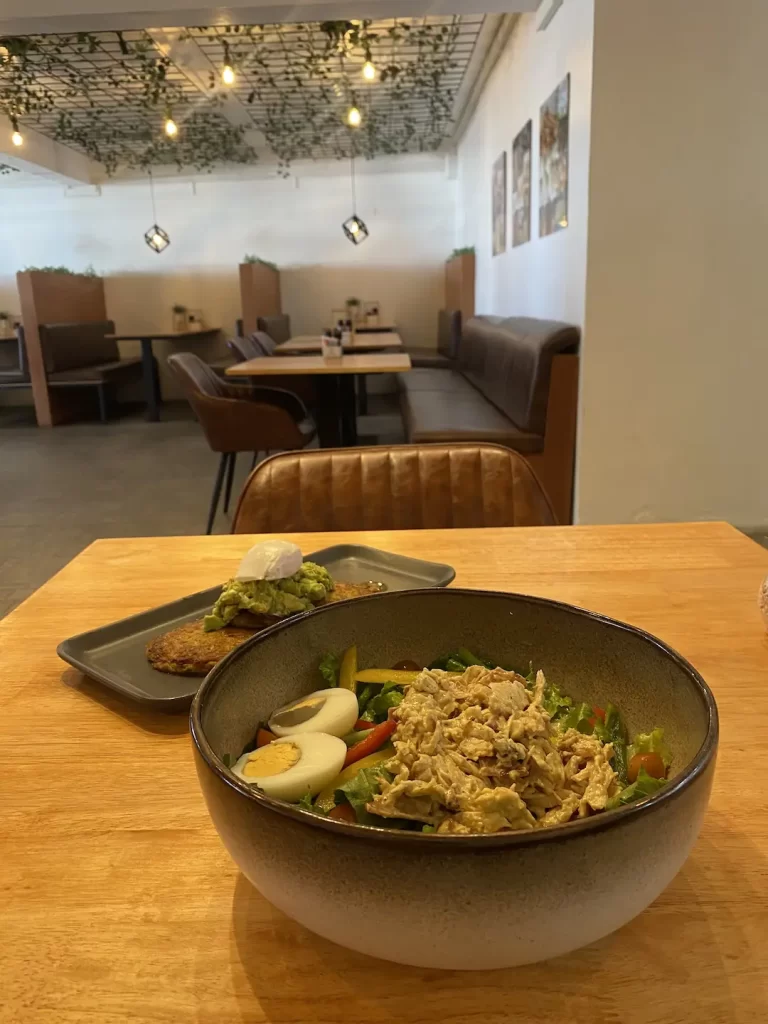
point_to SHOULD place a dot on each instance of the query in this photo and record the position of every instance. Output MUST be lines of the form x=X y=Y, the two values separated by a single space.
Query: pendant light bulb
x=354 y=117
x=171 y=128
x=369 y=71
x=17 y=138
x=228 y=74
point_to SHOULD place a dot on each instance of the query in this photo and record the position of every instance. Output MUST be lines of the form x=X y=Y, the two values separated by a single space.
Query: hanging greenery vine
x=108 y=93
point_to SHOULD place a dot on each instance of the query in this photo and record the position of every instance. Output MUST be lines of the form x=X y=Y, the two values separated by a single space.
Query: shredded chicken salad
x=461 y=747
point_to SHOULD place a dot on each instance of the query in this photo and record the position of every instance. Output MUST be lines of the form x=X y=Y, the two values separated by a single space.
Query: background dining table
x=149 y=365
x=119 y=902
x=335 y=379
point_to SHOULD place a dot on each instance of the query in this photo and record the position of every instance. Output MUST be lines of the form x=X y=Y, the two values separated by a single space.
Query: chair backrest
x=448 y=332
x=268 y=344
x=399 y=487
x=509 y=360
x=197 y=378
x=77 y=345
x=277 y=327
x=245 y=348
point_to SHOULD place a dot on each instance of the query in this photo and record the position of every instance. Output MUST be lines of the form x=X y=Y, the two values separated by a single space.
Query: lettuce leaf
x=329 y=668
x=613 y=730
x=361 y=789
x=307 y=804
x=645 y=786
x=651 y=743
x=579 y=717
x=553 y=702
x=377 y=708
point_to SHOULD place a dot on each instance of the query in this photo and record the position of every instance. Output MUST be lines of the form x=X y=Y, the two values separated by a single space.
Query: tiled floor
x=62 y=488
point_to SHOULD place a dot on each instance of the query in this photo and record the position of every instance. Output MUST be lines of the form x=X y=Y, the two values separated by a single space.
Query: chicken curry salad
x=460 y=747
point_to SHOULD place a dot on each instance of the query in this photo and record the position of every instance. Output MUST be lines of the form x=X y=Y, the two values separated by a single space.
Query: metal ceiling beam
x=475 y=84
x=41 y=155
x=22 y=17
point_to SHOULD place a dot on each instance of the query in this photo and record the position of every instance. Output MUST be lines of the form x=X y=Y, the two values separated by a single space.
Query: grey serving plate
x=114 y=654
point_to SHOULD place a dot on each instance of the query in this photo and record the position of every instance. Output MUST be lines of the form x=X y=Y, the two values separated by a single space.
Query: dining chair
x=397 y=487
x=278 y=327
x=237 y=418
x=260 y=344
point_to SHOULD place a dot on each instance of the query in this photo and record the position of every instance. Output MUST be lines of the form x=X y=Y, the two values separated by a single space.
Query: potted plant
x=179 y=319
x=353 y=309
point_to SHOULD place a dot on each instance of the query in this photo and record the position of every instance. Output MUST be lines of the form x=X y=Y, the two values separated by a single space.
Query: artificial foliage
x=108 y=94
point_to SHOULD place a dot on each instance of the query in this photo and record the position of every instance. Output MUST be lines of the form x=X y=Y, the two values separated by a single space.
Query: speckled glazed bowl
x=460 y=902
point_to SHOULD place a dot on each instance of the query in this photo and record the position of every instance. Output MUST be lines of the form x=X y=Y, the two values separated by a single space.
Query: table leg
x=151 y=380
x=362 y=389
x=348 y=409
x=329 y=411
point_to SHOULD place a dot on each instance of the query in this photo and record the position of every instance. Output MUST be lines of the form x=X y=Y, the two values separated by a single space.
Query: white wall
x=675 y=361
x=294 y=222
x=546 y=277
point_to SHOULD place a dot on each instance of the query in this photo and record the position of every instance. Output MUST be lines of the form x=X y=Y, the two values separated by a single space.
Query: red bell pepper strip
x=598 y=713
x=377 y=737
x=361 y=724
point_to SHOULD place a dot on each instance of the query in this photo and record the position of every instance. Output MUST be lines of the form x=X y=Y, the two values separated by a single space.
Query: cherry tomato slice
x=652 y=763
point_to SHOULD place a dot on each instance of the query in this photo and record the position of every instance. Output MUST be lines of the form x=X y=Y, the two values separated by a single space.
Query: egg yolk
x=273 y=759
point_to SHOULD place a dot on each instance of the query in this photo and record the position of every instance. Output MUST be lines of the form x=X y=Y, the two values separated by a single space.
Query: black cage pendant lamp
x=354 y=227
x=155 y=237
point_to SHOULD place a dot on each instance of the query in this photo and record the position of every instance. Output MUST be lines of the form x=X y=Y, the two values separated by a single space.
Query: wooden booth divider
x=259 y=294
x=49 y=298
x=460 y=284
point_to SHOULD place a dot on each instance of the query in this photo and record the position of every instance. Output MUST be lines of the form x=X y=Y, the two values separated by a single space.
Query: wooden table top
x=119 y=903
x=360 y=343
x=370 y=362
x=166 y=335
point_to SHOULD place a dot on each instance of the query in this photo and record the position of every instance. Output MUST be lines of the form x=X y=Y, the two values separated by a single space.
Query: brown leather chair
x=278 y=327
x=399 y=487
x=237 y=418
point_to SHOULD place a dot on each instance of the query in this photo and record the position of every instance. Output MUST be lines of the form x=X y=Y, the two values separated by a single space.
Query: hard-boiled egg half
x=289 y=768
x=331 y=711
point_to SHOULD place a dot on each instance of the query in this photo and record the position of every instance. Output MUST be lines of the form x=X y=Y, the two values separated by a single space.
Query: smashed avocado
x=298 y=593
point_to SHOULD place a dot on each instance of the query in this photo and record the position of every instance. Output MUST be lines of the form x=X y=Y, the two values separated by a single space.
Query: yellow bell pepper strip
x=348 y=669
x=376 y=738
x=386 y=675
x=326 y=797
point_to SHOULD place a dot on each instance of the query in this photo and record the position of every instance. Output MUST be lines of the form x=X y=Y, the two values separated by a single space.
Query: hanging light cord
x=354 y=197
x=152 y=193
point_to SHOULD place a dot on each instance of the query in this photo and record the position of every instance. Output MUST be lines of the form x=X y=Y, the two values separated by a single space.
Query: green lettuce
x=579 y=716
x=377 y=708
x=645 y=786
x=307 y=804
x=613 y=730
x=553 y=702
x=329 y=668
x=361 y=789
x=651 y=743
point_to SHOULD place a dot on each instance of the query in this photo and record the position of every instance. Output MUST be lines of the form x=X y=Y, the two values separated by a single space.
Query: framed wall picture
x=553 y=160
x=521 y=185
x=499 y=204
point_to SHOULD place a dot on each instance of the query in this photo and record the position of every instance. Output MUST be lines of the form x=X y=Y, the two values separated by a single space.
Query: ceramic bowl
x=460 y=902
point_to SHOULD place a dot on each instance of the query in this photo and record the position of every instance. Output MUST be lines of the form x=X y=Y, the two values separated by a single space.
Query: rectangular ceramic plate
x=115 y=654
